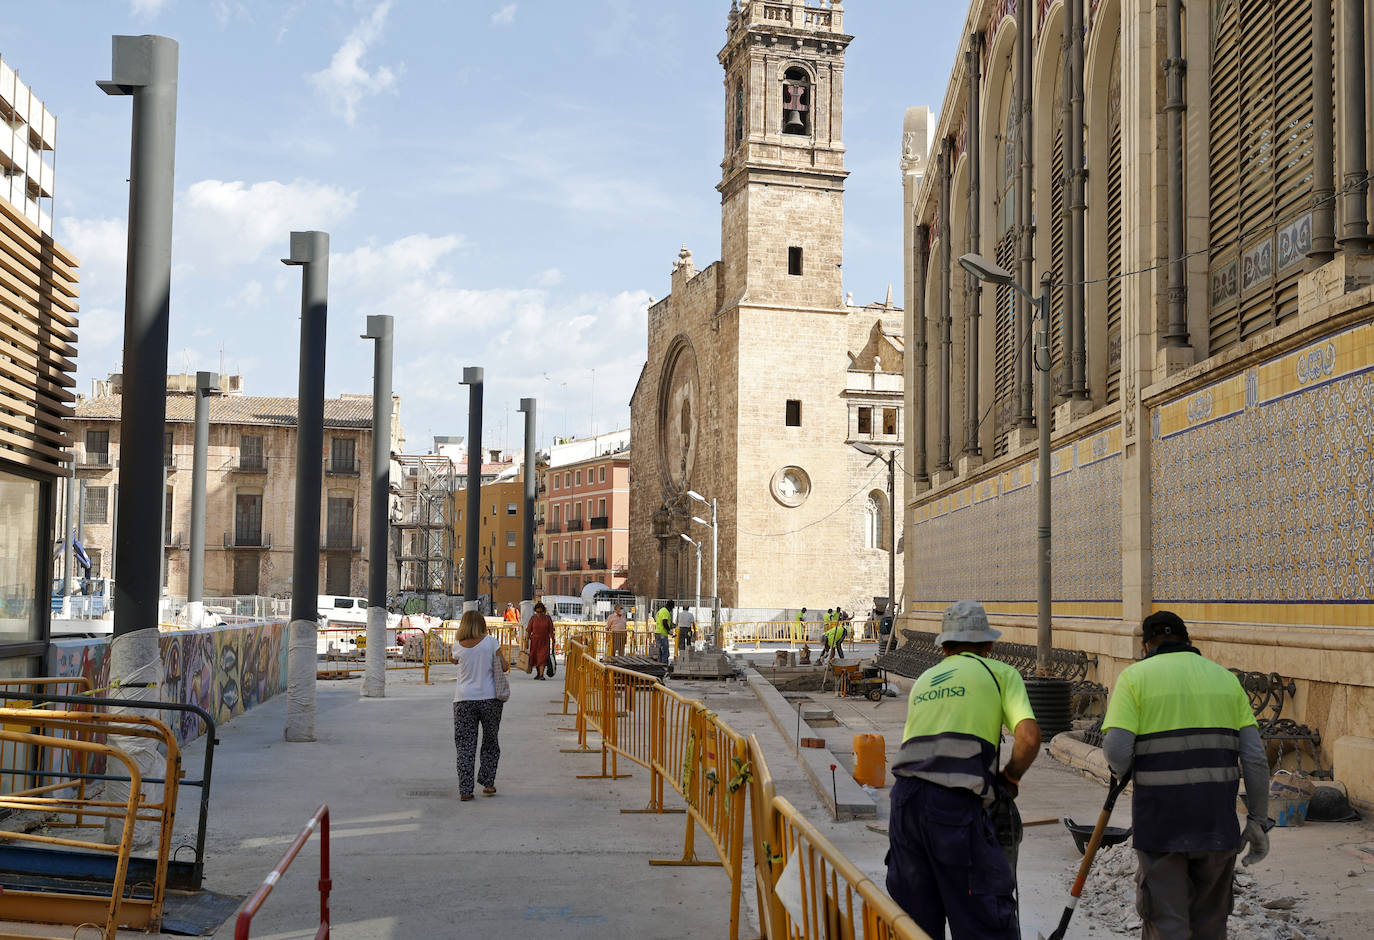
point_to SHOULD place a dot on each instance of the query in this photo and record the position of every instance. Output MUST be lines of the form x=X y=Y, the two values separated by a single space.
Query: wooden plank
x=31 y=257
x=39 y=386
x=39 y=358
x=27 y=395
x=62 y=308
x=24 y=427
x=15 y=440
x=36 y=463
x=25 y=227
x=35 y=318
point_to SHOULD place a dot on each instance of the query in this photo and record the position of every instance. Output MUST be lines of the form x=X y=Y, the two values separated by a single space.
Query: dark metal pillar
x=1355 y=209
x=1176 y=333
x=973 y=287
x=1323 y=138
x=380 y=329
x=146 y=68
x=472 y=378
x=310 y=251
x=946 y=339
x=920 y=394
x=1025 y=52
x=529 y=407
x=206 y=384
x=1076 y=269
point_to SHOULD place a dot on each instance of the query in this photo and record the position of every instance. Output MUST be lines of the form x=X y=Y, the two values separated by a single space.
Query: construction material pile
x=1109 y=901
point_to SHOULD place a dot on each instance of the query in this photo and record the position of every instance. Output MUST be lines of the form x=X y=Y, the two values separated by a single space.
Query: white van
x=564 y=606
x=347 y=614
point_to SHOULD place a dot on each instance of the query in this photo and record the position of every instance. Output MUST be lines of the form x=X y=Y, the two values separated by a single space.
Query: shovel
x=1089 y=853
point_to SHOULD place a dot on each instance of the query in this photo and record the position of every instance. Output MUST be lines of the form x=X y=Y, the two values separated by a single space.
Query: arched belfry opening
x=796 y=102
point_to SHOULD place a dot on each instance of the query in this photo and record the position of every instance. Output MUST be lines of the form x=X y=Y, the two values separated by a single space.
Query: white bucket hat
x=965 y=622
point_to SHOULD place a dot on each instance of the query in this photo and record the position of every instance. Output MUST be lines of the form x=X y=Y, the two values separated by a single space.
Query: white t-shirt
x=685 y=621
x=474 y=670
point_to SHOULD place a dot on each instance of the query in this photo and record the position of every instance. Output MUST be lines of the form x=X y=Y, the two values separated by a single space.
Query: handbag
x=499 y=679
x=522 y=661
x=550 y=669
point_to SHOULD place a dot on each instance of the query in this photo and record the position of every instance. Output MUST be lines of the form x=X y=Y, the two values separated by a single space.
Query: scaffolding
x=425 y=536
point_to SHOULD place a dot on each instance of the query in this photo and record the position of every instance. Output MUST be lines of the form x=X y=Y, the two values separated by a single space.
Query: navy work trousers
x=944 y=863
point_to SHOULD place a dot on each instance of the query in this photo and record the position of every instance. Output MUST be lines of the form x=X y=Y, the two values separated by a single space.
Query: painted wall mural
x=1286 y=516
x=979 y=541
x=224 y=670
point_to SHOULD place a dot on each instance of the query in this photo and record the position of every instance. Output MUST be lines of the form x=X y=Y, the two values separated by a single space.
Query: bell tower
x=782 y=179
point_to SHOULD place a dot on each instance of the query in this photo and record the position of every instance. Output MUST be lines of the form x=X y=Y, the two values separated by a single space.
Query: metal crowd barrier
x=135 y=900
x=319 y=820
x=743 y=632
x=806 y=887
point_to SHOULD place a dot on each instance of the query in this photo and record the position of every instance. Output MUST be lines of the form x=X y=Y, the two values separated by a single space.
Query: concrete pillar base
x=941 y=477
x=1171 y=360
x=1068 y=412
x=967 y=463
x=1022 y=437
x=1339 y=276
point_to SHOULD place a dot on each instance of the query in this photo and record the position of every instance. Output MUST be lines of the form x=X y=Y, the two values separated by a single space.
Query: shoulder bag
x=499 y=679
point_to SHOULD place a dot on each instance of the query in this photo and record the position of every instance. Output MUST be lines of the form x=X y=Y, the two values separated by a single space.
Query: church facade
x=760 y=374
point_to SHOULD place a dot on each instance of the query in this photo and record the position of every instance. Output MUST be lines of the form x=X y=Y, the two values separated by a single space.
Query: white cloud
x=549 y=277
x=345 y=82
x=149 y=8
x=226 y=11
x=504 y=16
x=228 y=222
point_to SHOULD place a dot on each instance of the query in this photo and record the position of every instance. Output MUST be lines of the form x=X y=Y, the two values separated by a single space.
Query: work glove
x=1257 y=839
x=1004 y=786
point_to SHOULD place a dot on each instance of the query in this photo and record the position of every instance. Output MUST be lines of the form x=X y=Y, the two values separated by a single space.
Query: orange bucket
x=870 y=760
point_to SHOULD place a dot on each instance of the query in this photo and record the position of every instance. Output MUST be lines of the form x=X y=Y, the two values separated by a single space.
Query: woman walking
x=475 y=704
x=540 y=639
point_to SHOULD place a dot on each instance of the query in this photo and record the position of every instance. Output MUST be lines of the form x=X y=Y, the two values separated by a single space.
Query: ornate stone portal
x=678 y=444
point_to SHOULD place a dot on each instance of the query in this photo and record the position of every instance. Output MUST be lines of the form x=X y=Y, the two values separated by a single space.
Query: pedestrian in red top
x=539 y=640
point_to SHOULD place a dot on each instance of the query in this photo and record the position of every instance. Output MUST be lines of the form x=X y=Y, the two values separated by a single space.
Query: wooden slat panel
x=24 y=228
x=15 y=328
x=39 y=400
x=35 y=463
x=15 y=440
x=21 y=280
x=37 y=320
x=46 y=268
x=48 y=435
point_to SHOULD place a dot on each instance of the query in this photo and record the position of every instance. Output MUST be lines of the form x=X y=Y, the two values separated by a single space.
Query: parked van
x=348 y=614
x=564 y=606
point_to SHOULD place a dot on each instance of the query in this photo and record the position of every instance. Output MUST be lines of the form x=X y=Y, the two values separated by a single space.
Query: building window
x=23 y=535
x=250 y=452
x=555 y=481
x=510 y=538
x=512 y=509
x=567 y=480
x=342 y=456
x=794 y=260
x=95 y=555
x=339 y=531
x=167 y=458
x=579 y=478
x=865 y=420
x=98 y=447
x=556 y=511
x=794 y=412
x=167 y=517
x=601 y=506
x=889 y=421
x=493 y=509
x=248 y=519
x=602 y=475
x=796 y=102
x=96 y=505
x=873 y=519
x=510 y=569
x=553 y=554
x=739 y=113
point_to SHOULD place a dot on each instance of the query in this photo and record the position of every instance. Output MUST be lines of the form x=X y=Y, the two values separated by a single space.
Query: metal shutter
x=1114 y=226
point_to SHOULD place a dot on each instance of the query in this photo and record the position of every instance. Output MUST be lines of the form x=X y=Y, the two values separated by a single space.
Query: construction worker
x=835 y=637
x=663 y=630
x=511 y=615
x=1182 y=725
x=944 y=862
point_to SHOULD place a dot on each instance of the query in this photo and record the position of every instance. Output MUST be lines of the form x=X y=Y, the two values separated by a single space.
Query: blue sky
x=511 y=180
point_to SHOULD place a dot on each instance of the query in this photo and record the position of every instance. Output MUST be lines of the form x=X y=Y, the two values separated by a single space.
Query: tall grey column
x=1355 y=210
x=1176 y=332
x=1076 y=293
x=1043 y=556
x=973 y=287
x=946 y=347
x=1323 y=138
x=310 y=252
x=529 y=407
x=920 y=394
x=1025 y=51
x=379 y=328
x=144 y=67
x=206 y=384
x=68 y=518
x=472 y=378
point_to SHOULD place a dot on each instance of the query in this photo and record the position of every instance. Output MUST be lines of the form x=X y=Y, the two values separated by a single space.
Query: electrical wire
x=816 y=522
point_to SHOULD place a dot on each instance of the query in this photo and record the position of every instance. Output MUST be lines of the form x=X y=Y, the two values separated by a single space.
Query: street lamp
x=891 y=459
x=985 y=270
x=696 y=610
x=715 y=553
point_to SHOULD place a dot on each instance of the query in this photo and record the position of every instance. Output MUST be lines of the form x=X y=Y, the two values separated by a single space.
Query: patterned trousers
x=467 y=717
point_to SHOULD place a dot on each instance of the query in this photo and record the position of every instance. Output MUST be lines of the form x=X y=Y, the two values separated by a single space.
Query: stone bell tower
x=782 y=179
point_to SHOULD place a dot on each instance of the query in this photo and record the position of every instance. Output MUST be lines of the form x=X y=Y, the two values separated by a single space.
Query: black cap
x=1164 y=623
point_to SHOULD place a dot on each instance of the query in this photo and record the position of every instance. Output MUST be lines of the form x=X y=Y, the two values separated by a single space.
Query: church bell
x=795 y=124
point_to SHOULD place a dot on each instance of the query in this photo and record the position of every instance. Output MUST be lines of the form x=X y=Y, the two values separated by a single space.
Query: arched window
x=1004 y=364
x=873 y=522
x=796 y=102
x=739 y=113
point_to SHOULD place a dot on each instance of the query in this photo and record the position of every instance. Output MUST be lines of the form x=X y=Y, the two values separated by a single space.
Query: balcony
x=97 y=460
x=553 y=566
x=555 y=528
x=574 y=565
x=249 y=463
x=340 y=543
x=596 y=564
x=169 y=463
x=538 y=522
x=574 y=525
x=599 y=522
x=247 y=540
x=341 y=468
x=175 y=540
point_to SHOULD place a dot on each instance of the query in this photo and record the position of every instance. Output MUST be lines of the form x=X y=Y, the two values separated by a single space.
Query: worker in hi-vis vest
x=944 y=862
x=1182 y=725
x=663 y=630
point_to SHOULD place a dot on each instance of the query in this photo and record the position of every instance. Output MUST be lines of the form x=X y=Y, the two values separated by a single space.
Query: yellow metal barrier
x=16 y=755
x=822 y=893
x=743 y=632
x=75 y=731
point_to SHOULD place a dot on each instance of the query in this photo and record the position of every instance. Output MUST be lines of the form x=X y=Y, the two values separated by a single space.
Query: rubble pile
x=1109 y=901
